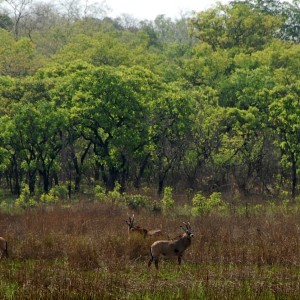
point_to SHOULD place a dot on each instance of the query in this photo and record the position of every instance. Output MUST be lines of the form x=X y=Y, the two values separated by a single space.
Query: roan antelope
x=135 y=229
x=171 y=247
x=132 y=228
x=3 y=248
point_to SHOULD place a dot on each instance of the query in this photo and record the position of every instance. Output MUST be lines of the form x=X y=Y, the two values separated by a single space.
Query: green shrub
x=25 y=199
x=167 y=200
x=7 y=207
x=115 y=194
x=100 y=193
x=202 y=205
x=136 y=202
x=50 y=198
x=61 y=191
x=155 y=206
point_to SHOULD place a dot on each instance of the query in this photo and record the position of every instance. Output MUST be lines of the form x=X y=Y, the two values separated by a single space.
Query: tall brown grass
x=83 y=252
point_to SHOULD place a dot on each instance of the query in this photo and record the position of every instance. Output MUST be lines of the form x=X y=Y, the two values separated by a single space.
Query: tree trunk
x=113 y=175
x=161 y=180
x=46 y=180
x=31 y=181
x=77 y=172
x=138 y=178
x=294 y=176
x=123 y=174
x=16 y=175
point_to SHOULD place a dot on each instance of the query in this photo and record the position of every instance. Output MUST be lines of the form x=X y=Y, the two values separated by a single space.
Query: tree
x=208 y=124
x=19 y=10
x=32 y=133
x=18 y=58
x=288 y=12
x=108 y=109
x=206 y=67
x=291 y=27
x=169 y=131
x=285 y=117
x=6 y=22
x=237 y=26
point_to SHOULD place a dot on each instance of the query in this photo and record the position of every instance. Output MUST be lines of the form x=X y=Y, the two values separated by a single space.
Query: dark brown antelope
x=132 y=228
x=171 y=247
x=3 y=248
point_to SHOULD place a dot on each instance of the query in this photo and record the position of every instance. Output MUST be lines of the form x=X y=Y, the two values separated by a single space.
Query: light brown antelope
x=171 y=247
x=3 y=248
x=135 y=229
x=132 y=228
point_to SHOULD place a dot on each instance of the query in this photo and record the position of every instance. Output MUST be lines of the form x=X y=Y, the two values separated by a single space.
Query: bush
x=61 y=191
x=202 y=205
x=100 y=193
x=136 y=202
x=155 y=206
x=114 y=195
x=167 y=200
x=25 y=200
x=50 y=198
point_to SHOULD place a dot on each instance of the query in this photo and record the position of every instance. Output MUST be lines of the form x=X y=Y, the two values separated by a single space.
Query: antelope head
x=135 y=229
x=187 y=229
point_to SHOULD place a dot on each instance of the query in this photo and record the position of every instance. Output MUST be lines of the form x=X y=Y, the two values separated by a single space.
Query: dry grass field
x=82 y=251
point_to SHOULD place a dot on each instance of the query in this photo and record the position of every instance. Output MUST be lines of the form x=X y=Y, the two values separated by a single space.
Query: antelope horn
x=184 y=229
x=189 y=226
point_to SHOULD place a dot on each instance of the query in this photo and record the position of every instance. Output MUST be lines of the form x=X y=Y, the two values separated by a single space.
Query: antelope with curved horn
x=169 y=248
x=132 y=228
x=3 y=248
x=135 y=229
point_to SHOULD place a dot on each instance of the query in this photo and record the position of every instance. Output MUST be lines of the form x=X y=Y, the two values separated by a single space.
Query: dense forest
x=208 y=102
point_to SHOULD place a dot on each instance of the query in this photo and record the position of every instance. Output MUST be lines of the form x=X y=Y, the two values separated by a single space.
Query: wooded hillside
x=208 y=102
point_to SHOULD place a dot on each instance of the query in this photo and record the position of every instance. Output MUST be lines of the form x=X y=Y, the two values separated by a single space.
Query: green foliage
x=147 y=102
x=204 y=206
x=136 y=202
x=238 y=26
x=60 y=191
x=25 y=199
x=115 y=195
x=51 y=197
x=8 y=289
x=7 y=207
x=100 y=193
x=155 y=206
x=18 y=58
x=167 y=200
